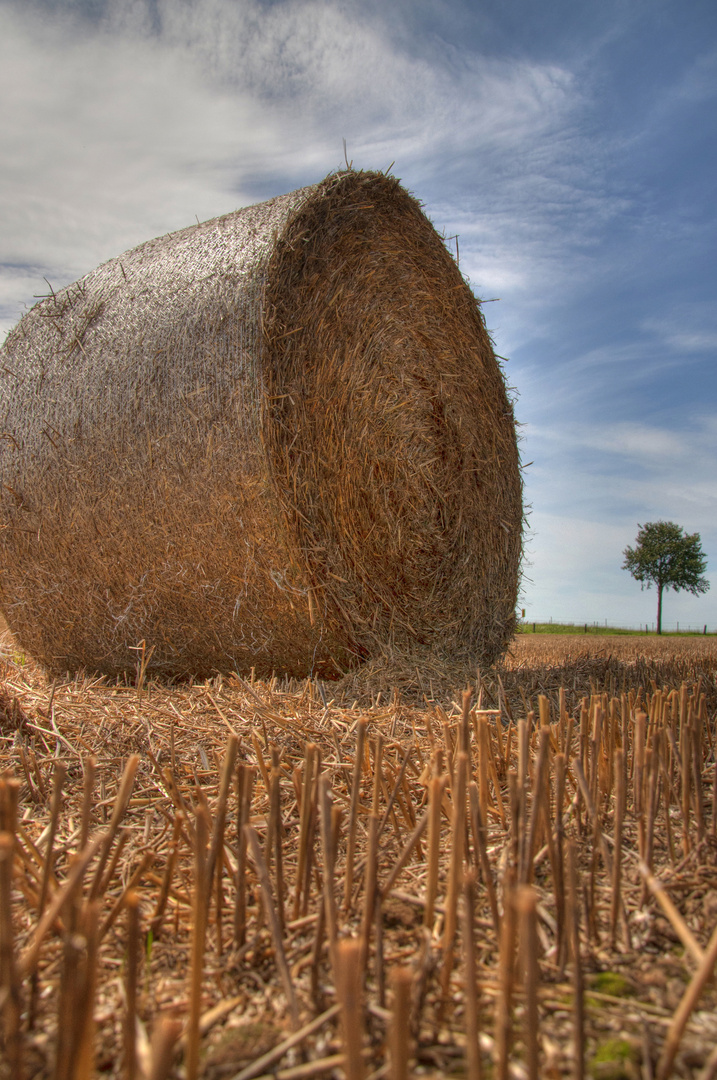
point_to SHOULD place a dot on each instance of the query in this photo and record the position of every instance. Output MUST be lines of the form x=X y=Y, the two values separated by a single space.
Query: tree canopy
x=669 y=558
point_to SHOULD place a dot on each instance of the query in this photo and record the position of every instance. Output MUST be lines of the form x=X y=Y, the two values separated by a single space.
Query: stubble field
x=387 y=876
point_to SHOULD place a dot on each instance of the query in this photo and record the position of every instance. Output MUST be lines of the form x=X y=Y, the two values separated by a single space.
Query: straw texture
x=278 y=439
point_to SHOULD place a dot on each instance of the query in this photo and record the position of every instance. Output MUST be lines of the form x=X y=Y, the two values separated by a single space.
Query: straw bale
x=279 y=439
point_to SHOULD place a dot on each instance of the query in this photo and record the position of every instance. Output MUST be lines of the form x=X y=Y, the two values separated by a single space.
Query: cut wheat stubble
x=593 y=794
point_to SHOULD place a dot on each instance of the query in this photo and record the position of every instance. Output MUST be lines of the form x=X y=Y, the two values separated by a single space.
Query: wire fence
x=535 y=626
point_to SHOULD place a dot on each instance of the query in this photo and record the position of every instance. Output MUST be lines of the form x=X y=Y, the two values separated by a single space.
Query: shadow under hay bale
x=279 y=439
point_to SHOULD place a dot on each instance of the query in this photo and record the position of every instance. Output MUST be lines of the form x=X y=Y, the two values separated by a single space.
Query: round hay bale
x=279 y=439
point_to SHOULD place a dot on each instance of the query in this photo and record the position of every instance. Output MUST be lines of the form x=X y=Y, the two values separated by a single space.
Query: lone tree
x=666 y=556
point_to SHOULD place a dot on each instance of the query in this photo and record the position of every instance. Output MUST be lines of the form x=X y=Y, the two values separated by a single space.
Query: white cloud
x=689 y=328
x=658 y=470
x=339 y=58
x=107 y=143
x=698 y=83
x=639 y=442
x=128 y=127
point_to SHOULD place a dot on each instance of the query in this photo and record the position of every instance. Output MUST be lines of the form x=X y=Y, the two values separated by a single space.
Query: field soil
x=385 y=876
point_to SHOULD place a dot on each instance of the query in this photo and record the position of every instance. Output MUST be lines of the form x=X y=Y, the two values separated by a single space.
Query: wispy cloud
x=686 y=455
x=154 y=113
x=686 y=329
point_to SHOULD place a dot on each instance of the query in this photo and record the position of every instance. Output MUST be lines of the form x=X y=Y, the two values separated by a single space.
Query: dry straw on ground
x=273 y=440
x=233 y=880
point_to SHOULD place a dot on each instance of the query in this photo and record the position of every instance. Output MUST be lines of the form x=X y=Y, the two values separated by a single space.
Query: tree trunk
x=659 y=609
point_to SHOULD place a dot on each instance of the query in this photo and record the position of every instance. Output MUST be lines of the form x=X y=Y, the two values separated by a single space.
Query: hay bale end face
x=279 y=439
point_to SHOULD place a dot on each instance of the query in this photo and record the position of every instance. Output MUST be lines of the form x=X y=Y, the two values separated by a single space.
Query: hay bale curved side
x=135 y=501
x=246 y=444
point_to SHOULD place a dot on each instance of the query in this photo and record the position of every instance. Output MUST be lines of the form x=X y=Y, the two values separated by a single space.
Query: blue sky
x=571 y=145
